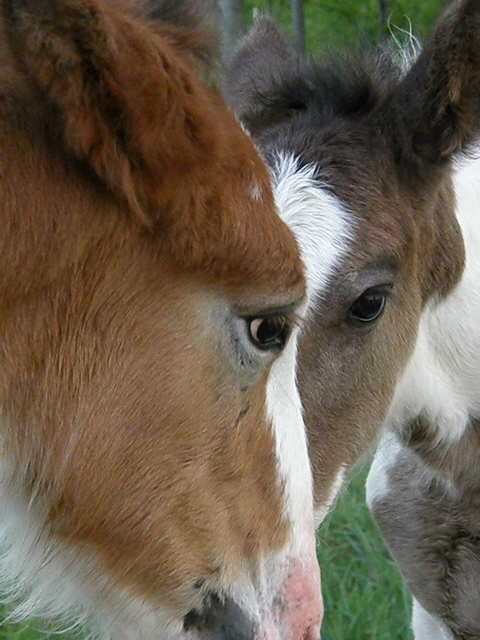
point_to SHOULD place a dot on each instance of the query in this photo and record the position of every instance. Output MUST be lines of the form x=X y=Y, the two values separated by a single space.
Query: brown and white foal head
x=360 y=151
x=153 y=470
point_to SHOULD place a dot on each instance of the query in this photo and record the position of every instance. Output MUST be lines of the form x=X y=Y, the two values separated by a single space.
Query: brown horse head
x=153 y=469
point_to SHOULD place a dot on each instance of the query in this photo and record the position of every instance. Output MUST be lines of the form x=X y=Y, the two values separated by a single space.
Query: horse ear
x=122 y=94
x=436 y=108
x=263 y=63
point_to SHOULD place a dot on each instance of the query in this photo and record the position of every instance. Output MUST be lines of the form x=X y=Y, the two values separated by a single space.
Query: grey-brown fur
x=383 y=143
x=458 y=462
x=433 y=533
x=368 y=131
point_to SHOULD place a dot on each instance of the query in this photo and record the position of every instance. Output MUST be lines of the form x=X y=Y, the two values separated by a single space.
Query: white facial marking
x=427 y=627
x=319 y=222
x=441 y=381
x=293 y=571
x=322 y=229
x=284 y=410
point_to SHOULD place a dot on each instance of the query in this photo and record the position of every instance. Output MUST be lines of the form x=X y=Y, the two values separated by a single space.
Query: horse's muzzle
x=290 y=607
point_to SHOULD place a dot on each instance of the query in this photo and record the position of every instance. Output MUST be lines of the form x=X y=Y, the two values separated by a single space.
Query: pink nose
x=297 y=608
x=291 y=611
x=300 y=606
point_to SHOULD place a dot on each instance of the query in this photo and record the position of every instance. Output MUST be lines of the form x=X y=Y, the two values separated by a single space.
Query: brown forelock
x=127 y=103
x=126 y=415
x=433 y=535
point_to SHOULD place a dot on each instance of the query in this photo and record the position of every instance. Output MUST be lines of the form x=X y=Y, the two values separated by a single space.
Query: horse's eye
x=269 y=332
x=369 y=306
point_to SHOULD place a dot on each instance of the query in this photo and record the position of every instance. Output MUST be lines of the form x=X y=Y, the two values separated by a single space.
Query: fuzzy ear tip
x=266 y=36
x=264 y=25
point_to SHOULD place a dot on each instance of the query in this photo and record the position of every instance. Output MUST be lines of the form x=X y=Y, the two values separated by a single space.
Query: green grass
x=363 y=594
x=342 y=24
x=28 y=631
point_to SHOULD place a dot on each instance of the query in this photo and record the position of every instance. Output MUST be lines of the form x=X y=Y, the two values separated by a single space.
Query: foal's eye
x=269 y=332
x=369 y=306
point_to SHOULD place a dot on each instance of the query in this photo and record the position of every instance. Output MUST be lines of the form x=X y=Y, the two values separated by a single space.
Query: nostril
x=220 y=619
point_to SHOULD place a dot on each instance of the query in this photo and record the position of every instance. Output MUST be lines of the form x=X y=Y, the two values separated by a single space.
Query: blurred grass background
x=342 y=24
x=364 y=596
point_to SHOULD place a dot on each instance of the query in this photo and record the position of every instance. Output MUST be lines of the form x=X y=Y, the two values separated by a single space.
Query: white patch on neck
x=442 y=379
x=320 y=223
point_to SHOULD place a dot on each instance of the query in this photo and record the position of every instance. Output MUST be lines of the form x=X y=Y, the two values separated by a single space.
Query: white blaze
x=319 y=221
